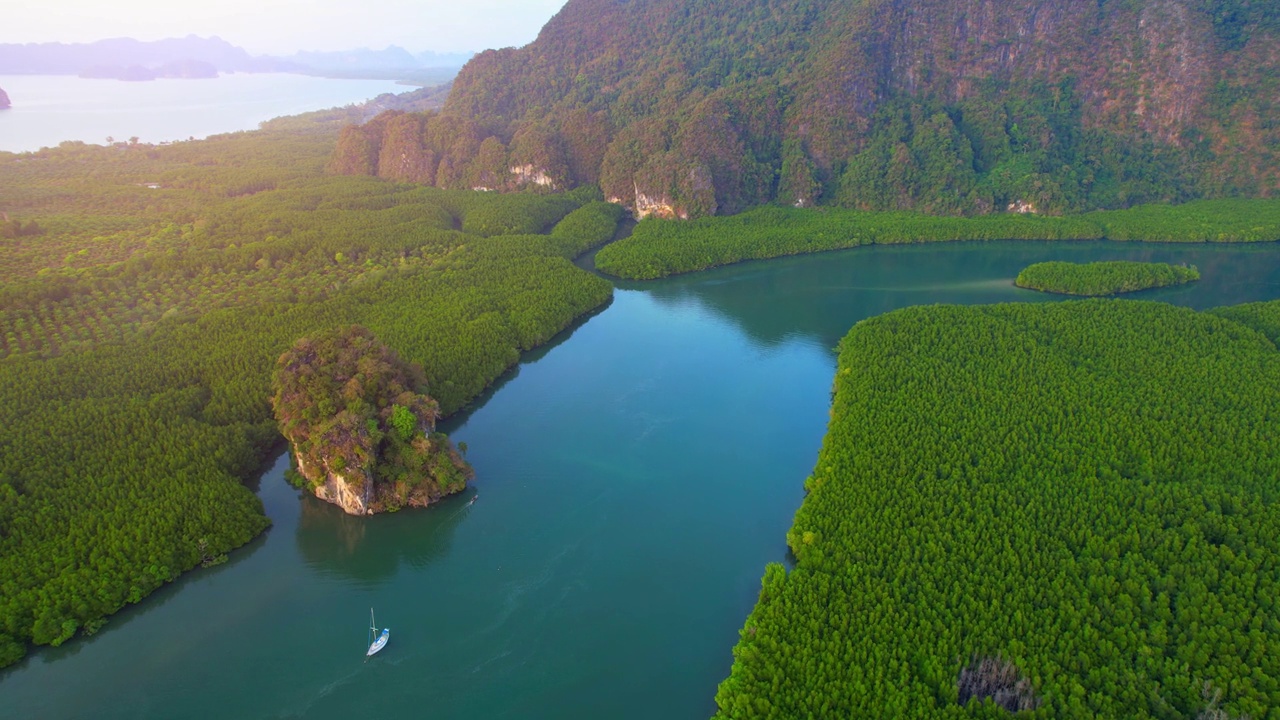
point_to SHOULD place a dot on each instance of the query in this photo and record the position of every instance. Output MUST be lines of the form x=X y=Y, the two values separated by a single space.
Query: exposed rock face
x=530 y=175
x=4 y=99
x=335 y=489
x=775 y=98
x=357 y=490
x=361 y=427
x=661 y=207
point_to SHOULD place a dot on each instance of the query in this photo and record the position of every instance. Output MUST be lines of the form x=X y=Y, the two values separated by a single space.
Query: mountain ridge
x=944 y=106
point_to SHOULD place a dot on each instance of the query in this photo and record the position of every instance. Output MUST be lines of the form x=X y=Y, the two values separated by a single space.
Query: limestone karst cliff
x=361 y=426
x=943 y=106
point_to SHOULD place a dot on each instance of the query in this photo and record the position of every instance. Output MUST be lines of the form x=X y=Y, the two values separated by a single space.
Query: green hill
x=694 y=107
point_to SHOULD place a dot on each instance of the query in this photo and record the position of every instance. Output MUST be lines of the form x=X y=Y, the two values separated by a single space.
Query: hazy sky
x=284 y=26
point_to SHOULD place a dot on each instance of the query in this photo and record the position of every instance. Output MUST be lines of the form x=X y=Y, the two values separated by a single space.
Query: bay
x=634 y=477
x=50 y=109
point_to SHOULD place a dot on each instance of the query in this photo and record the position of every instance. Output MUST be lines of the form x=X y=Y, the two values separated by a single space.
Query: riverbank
x=659 y=248
x=160 y=345
x=628 y=448
x=975 y=505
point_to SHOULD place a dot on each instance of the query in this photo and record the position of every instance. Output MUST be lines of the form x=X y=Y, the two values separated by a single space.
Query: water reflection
x=370 y=550
x=459 y=418
x=637 y=479
x=821 y=296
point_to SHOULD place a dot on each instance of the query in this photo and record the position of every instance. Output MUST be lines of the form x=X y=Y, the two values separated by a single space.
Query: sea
x=51 y=109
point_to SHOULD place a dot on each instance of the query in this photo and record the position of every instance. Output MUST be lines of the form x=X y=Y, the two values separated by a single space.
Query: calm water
x=634 y=480
x=48 y=109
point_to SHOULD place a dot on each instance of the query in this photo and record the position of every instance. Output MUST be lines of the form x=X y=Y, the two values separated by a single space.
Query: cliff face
x=334 y=487
x=360 y=425
x=357 y=490
x=950 y=106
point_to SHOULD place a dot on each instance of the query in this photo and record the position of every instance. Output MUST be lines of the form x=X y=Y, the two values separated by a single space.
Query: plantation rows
x=128 y=436
x=295 y=245
x=658 y=248
x=1084 y=492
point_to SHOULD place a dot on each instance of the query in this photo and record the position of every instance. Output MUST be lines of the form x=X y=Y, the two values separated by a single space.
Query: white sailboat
x=381 y=642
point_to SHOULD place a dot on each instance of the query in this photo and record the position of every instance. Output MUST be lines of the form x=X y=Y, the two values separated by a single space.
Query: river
x=48 y=109
x=634 y=477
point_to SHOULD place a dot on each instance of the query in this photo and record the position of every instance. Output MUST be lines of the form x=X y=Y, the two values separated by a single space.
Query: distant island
x=362 y=428
x=4 y=100
x=1103 y=278
x=175 y=69
x=197 y=57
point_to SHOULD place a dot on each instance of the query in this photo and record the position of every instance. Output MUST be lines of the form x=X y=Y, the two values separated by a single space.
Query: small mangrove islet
x=361 y=425
x=1103 y=278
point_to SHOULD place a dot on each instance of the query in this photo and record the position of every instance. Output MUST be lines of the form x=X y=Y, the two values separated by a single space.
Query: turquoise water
x=633 y=478
x=48 y=109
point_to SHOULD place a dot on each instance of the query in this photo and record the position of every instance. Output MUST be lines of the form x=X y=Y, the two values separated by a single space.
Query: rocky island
x=361 y=426
x=4 y=100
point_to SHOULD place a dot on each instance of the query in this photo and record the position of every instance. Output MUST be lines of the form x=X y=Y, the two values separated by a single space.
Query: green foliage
x=135 y=376
x=588 y=227
x=1103 y=278
x=658 y=248
x=713 y=106
x=517 y=214
x=349 y=404
x=1056 y=485
x=404 y=421
x=16 y=228
x=1263 y=317
x=1235 y=22
x=1231 y=220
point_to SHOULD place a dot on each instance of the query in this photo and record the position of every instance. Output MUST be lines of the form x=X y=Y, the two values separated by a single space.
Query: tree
x=357 y=414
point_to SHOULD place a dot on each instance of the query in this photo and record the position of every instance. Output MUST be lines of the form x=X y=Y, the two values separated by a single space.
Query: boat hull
x=380 y=643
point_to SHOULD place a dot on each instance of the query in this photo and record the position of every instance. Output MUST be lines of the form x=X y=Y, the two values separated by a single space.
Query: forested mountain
x=694 y=107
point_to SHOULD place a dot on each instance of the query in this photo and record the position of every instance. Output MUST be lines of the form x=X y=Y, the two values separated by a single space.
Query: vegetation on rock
x=356 y=413
x=695 y=107
x=1103 y=278
x=1039 y=504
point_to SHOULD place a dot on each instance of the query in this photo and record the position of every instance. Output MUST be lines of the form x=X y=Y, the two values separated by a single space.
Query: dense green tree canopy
x=1103 y=278
x=139 y=332
x=658 y=248
x=1083 y=493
